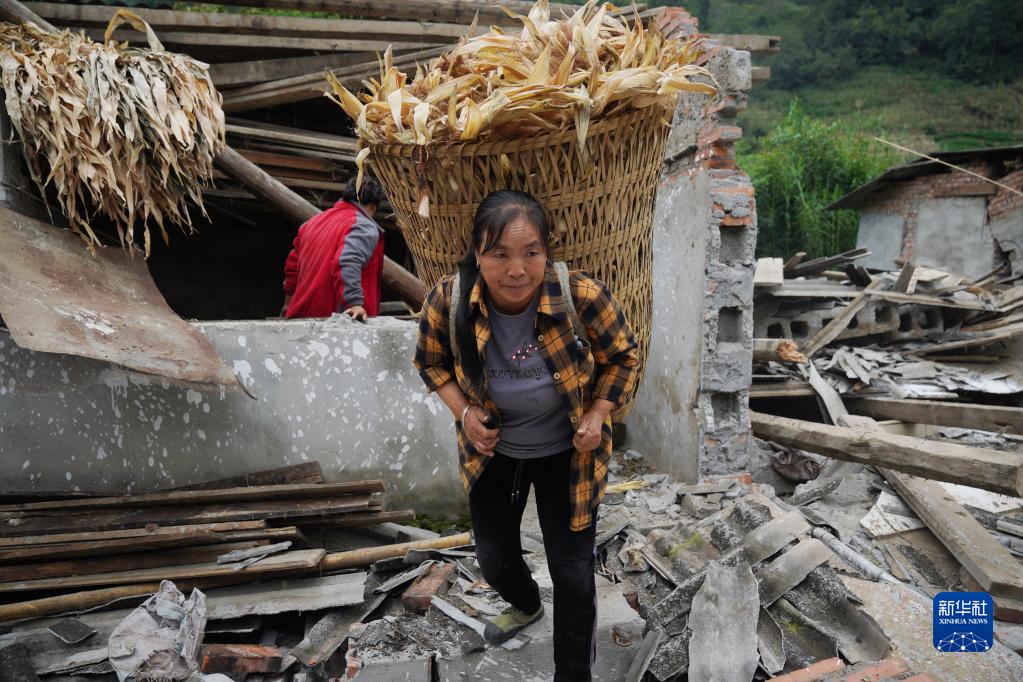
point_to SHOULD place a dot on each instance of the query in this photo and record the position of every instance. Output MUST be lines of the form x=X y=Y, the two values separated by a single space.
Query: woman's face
x=514 y=269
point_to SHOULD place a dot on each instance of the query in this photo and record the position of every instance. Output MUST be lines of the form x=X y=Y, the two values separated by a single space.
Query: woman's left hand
x=588 y=431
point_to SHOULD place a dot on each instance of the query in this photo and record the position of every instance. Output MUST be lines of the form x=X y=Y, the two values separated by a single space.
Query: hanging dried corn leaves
x=553 y=75
x=131 y=132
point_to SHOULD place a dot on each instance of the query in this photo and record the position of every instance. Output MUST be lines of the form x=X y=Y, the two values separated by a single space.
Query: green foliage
x=800 y=168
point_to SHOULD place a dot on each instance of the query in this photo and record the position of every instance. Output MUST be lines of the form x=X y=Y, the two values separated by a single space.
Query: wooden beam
x=136 y=517
x=1000 y=472
x=234 y=74
x=198 y=497
x=776 y=350
x=124 y=562
x=68 y=538
x=990 y=564
x=306 y=472
x=313 y=84
x=256 y=42
x=781 y=389
x=395 y=278
x=16 y=13
x=364 y=557
x=756 y=45
x=105 y=547
x=163 y=20
x=456 y=11
x=963 y=415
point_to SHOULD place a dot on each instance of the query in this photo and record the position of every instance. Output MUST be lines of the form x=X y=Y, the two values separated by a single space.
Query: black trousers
x=496 y=503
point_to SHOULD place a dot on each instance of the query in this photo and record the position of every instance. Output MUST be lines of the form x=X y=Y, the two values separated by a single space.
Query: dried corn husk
x=553 y=75
x=131 y=132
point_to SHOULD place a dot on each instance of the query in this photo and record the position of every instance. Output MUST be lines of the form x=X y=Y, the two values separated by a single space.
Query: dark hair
x=494 y=214
x=370 y=193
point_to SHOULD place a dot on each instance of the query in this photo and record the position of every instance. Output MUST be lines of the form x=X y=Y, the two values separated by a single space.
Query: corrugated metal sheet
x=57 y=298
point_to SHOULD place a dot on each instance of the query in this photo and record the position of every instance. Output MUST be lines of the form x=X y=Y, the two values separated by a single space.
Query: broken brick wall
x=692 y=417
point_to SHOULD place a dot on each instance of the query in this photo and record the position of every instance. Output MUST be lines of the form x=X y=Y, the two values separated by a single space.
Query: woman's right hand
x=483 y=438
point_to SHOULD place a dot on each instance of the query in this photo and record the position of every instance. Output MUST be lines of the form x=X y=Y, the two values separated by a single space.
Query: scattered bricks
x=890 y=667
x=240 y=658
x=815 y=672
x=433 y=583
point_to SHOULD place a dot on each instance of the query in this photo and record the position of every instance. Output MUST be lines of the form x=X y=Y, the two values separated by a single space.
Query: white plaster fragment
x=242 y=341
x=101 y=454
x=360 y=349
x=272 y=367
x=193 y=397
x=320 y=348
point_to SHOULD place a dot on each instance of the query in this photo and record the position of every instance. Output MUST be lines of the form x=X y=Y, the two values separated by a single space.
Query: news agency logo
x=963 y=622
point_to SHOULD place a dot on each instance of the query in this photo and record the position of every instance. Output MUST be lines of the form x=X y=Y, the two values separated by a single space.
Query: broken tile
x=723 y=619
x=770 y=643
x=788 y=570
x=672 y=657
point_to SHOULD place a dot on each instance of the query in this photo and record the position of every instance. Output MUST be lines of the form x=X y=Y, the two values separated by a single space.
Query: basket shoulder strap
x=566 y=296
x=456 y=290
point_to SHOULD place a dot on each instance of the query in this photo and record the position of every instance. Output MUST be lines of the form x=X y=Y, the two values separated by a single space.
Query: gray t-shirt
x=534 y=422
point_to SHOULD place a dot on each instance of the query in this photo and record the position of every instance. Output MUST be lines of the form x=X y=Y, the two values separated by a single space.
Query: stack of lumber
x=221 y=532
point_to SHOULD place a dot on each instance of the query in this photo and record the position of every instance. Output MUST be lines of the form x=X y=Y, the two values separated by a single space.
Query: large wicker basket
x=601 y=208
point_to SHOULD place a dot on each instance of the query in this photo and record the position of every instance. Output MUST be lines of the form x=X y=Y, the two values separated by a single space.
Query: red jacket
x=312 y=273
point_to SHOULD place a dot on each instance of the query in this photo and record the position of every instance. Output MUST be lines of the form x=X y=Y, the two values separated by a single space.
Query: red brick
x=814 y=672
x=240 y=658
x=434 y=582
x=743 y=477
x=890 y=667
x=736 y=221
x=712 y=134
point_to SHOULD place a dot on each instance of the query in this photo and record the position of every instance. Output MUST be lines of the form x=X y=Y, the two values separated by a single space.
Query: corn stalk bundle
x=552 y=75
x=130 y=132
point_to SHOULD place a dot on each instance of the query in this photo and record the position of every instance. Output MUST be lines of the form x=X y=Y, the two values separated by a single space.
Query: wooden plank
x=364 y=557
x=313 y=85
x=756 y=45
x=229 y=40
x=964 y=415
x=978 y=339
x=924 y=299
x=235 y=74
x=782 y=389
x=277 y=534
x=302 y=560
x=289 y=162
x=105 y=547
x=97 y=536
x=306 y=472
x=136 y=517
x=361 y=520
x=197 y=497
x=997 y=471
x=163 y=20
x=991 y=564
x=297 y=136
x=908 y=276
x=819 y=265
x=457 y=11
x=831 y=330
x=123 y=562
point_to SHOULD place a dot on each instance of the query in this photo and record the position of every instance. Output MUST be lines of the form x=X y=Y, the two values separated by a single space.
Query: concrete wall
x=334 y=391
x=882 y=234
x=664 y=424
x=952 y=234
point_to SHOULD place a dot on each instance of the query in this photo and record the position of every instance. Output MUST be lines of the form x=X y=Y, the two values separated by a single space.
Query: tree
x=799 y=169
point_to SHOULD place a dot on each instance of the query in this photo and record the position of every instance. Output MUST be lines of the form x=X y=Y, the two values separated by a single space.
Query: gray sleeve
x=360 y=244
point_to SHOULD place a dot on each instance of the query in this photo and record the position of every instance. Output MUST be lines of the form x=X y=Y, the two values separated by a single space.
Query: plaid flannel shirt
x=606 y=366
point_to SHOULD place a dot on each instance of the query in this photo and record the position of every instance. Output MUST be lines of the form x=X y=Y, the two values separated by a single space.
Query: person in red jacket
x=337 y=258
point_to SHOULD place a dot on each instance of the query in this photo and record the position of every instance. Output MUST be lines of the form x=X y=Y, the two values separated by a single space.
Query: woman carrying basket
x=530 y=359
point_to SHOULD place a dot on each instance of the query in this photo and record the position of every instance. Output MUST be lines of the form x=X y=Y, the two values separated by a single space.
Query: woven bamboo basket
x=601 y=207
